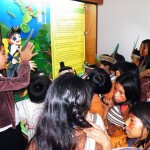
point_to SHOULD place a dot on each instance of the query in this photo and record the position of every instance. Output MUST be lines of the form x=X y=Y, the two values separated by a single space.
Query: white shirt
x=29 y=113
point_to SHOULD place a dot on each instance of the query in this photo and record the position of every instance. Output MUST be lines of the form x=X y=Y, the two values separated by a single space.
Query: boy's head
x=99 y=80
x=135 y=57
x=38 y=87
x=106 y=62
x=3 y=57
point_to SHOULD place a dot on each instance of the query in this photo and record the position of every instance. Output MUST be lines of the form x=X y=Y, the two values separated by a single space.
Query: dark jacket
x=7 y=85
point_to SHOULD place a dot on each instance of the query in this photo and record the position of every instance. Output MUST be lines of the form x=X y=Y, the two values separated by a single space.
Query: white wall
x=121 y=21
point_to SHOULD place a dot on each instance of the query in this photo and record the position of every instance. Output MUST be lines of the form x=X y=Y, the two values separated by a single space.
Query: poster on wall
x=67 y=35
x=23 y=17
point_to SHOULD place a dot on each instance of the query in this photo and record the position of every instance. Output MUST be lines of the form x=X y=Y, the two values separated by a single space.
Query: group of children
x=102 y=110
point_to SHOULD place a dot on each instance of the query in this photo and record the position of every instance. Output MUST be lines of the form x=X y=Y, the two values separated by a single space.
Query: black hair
x=100 y=81
x=147 y=59
x=131 y=85
x=119 y=58
x=136 y=53
x=127 y=67
x=38 y=87
x=66 y=105
x=142 y=111
x=106 y=59
x=63 y=67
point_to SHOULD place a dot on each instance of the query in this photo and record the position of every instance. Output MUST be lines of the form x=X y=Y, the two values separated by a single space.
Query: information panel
x=67 y=35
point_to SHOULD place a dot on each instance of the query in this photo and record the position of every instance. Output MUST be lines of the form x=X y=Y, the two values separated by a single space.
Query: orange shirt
x=96 y=105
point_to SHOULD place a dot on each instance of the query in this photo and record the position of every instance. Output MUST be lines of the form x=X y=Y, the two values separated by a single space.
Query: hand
x=27 y=53
x=145 y=73
x=99 y=136
x=32 y=64
x=107 y=103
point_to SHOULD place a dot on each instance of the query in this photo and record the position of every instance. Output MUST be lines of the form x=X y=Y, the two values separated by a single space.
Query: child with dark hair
x=144 y=64
x=144 y=67
x=101 y=84
x=118 y=57
x=126 y=67
x=107 y=63
x=135 y=57
x=137 y=128
x=64 y=117
x=30 y=109
x=10 y=131
x=126 y=94
x=100 y=81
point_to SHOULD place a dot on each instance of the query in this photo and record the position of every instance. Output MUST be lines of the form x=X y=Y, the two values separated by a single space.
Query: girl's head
x=71 y=96
x=138 y=123
x=106 y=62
x=145 y=53
x=135 y=57
x=145 y=48
x=99 y=80
x=126 y=67
x=127 y=89
x=38 y=87
x=66 y=105
x=3 y=57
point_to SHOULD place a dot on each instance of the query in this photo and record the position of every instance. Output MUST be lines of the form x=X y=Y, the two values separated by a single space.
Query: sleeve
x=24 y=109
x=99 y=122
x=144 y=87
x=21 y=81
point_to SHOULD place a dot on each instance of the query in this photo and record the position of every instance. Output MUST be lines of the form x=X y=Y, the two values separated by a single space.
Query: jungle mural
x=17 y=19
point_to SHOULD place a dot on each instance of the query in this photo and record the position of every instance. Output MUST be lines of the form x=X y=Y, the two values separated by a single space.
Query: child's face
x=3 y=58
x=143 y=50
x=119 y=93
x=135 y=60
x=134 y=127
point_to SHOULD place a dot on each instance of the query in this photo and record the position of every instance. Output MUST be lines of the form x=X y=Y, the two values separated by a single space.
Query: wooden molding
x=91 y=33
x=99 y=2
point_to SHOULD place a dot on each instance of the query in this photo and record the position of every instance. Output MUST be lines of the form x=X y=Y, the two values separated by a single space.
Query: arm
x=23 y=78
x=19 y=82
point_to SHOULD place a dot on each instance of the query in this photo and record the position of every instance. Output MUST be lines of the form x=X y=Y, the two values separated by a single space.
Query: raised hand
x=27 y=54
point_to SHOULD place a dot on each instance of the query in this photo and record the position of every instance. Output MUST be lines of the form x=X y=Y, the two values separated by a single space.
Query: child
x=135 y=57
x=126 y=94
x=107 y=63
x=100 y=81
x=30 y=110
x=10 y=132
x=144 y=65
x=137 y=129
x=64 y=117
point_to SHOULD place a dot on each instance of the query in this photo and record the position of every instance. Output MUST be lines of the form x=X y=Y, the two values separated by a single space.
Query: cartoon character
x=28 y=13
x=14 y=43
